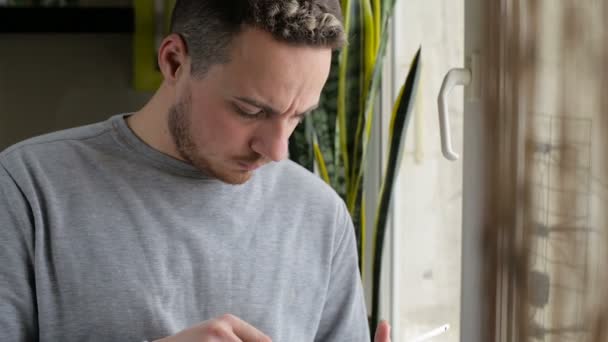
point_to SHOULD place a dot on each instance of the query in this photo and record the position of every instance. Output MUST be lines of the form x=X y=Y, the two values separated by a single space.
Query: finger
x=244 y=330
x=383 y=332
x=225 y=336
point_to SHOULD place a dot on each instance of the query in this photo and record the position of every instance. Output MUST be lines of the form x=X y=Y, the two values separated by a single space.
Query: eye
x=249 y=114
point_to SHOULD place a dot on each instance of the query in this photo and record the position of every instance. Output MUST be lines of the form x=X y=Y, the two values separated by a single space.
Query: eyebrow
x=268 y=109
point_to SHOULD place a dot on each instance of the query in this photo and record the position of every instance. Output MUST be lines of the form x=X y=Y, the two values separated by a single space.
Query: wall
x=50 y=82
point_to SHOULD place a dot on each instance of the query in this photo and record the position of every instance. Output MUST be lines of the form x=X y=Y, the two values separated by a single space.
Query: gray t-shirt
x=105 y=239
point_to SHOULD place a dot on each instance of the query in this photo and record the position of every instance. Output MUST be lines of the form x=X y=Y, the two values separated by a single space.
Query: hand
x=383 y=332
x=227 y=328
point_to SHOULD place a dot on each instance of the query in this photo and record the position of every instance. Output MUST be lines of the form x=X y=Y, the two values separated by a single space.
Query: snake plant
x=333 y=141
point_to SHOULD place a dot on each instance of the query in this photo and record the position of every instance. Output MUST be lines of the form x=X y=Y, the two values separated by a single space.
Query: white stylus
x=432 y=333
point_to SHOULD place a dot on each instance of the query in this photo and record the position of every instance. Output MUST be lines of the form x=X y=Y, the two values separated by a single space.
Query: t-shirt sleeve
x=344 y=315
x=17 y=299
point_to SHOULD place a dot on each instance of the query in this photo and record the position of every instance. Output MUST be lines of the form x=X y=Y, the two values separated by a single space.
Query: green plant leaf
x=300 y=148
x=370 y=95
x=400 y=120
x=320 y=160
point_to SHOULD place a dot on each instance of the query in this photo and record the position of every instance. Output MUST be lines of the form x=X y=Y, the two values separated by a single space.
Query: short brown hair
x=208 y=26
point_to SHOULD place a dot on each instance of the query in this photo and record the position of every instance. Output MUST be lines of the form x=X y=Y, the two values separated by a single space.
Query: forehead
x=258 y=62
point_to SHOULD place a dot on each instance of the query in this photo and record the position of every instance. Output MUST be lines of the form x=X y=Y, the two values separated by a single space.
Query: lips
x=249 y=166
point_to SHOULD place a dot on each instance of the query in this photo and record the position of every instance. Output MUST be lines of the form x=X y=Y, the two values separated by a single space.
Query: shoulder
x=294 y=188
x=290 y=176
x=54 y=154
x=53 y=145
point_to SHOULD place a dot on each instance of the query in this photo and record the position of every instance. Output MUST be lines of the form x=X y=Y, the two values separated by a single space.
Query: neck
x=150 y=123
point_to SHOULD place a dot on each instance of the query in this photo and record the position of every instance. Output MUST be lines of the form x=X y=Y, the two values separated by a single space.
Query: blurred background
x=72 y=70
x=506 y=244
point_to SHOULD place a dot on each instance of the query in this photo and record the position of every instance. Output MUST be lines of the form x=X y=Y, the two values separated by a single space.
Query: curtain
x=551 y=231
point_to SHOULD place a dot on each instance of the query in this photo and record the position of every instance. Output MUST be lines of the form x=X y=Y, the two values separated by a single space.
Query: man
x=184 y=221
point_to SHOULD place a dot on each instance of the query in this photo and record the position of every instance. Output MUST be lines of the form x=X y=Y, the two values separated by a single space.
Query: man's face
x=241 y=114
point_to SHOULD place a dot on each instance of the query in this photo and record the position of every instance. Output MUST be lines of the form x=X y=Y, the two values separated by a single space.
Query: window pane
x=428 y=196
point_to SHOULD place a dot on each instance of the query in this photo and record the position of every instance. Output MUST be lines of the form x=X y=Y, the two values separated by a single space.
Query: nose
x=272 y=140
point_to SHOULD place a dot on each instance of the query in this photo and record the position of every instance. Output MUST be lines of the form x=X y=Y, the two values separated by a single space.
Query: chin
x=225 y=175
x=236 y=179
x=232 y=177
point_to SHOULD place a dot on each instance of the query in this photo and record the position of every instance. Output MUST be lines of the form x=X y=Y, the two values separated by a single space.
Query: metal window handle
x=453 y=78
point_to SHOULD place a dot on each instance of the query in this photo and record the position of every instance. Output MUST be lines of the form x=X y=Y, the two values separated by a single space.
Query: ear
x=173 y=58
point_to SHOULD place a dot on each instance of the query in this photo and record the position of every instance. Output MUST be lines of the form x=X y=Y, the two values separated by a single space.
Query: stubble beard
x=179 y=124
